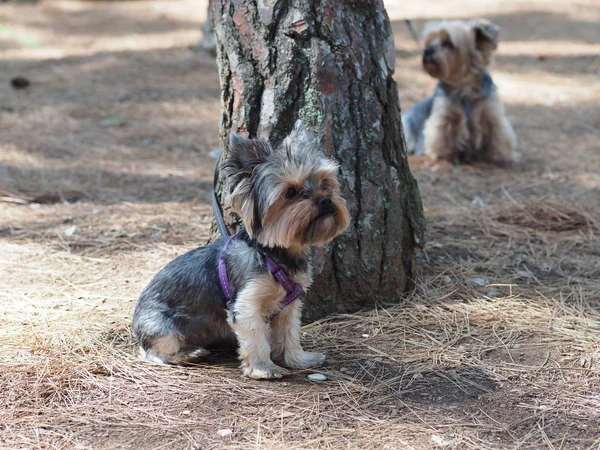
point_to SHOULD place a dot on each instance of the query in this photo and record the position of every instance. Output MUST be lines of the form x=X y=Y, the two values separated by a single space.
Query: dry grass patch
x=448 y=364
x=548 y=216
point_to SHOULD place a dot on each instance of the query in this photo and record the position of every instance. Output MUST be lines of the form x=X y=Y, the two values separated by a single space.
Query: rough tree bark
x=331 y=64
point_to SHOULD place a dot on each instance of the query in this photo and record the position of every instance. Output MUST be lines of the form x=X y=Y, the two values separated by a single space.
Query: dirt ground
x=104 y=177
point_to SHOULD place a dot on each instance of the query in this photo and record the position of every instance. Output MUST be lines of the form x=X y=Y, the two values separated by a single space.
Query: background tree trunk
x=331 y=64
x=209 y=40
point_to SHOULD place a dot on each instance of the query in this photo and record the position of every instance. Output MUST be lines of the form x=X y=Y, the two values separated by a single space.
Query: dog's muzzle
x=325 y=205
x=428 y=56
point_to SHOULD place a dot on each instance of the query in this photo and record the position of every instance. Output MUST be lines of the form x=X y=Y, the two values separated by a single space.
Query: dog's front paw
x=504 y=163
x=441 y=165
x=265 y=371
x=305 y=360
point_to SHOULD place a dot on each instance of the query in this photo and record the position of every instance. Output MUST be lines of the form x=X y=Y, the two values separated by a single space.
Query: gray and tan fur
x=464 y=120
x=288 y=199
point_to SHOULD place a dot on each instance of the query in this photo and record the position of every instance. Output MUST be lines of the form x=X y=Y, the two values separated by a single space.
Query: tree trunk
x=209 y=40
x=331 y=64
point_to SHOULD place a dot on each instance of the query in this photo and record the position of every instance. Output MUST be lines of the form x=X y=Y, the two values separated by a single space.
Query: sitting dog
x=464 y=119
x=242 y=289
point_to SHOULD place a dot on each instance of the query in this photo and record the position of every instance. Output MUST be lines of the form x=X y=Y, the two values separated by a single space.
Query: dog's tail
x=217 y=211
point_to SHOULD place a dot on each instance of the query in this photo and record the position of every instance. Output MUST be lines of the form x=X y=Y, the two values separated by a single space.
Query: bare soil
x=105 y=171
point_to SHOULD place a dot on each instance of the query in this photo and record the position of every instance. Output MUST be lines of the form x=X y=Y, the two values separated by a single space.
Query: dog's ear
x=243 y=155
x=301 y=141
x=486 y=36
x=301 y=134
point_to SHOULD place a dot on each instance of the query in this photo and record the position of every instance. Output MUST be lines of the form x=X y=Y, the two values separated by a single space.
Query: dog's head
x=457 y=50
x=287 y=197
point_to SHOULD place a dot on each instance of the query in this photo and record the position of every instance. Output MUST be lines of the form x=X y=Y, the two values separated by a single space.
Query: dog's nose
x=428 y=54
x=325 y=205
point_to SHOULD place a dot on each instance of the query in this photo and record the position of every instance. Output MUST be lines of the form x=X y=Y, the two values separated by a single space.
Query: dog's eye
x=447 y=44
x=291 y=193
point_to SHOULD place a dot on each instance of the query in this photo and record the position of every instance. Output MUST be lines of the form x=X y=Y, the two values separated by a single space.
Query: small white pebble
x=225 y=432
x=71 y=231
x=477 y=202
x=186 y=412
x=317 y=377
x=439 y=440
x=365 y=335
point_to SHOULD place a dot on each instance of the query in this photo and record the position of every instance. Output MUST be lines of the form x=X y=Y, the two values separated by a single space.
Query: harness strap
x=294 y=290
x=215 y=201
x=223 y=271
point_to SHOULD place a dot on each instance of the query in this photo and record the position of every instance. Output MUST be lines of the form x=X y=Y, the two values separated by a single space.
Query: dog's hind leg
x=169 y=350
x=189 y=355
x=413 y=122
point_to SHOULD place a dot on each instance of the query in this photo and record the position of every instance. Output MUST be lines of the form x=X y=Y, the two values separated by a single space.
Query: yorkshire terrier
x=237 y=290
x=464 y=120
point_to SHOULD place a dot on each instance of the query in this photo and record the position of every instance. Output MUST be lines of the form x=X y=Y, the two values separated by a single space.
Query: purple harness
x=294 y=290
